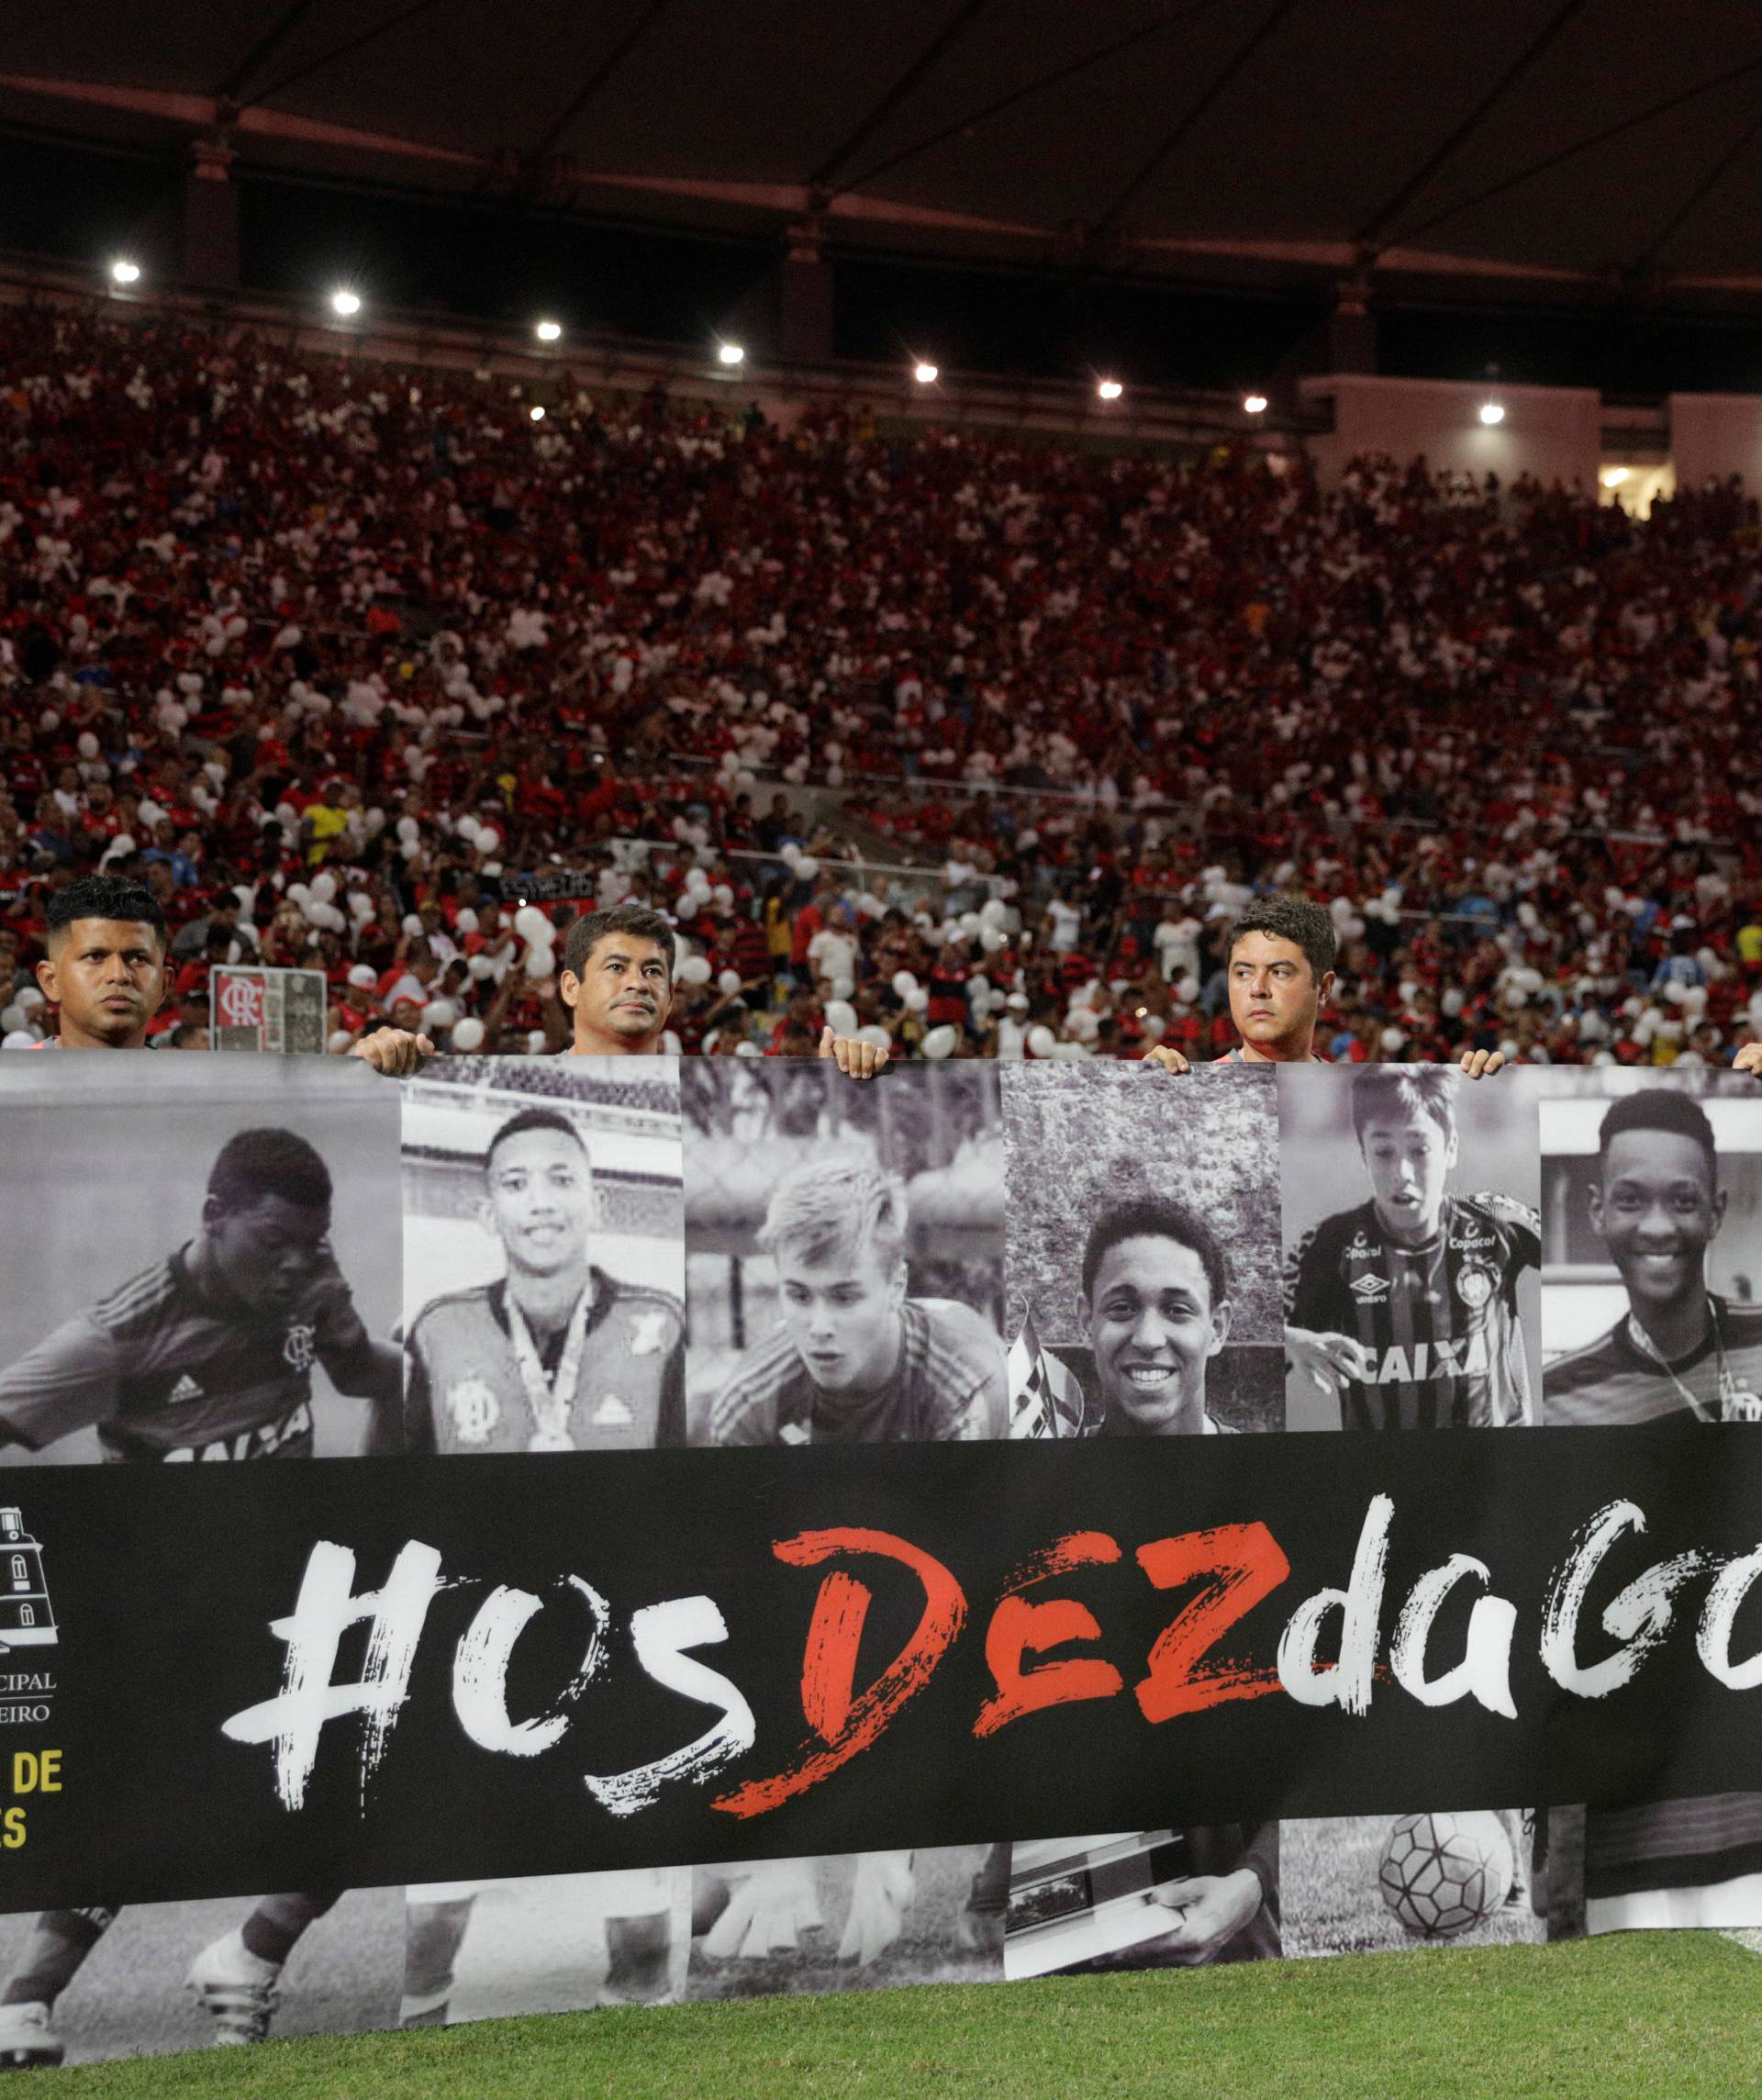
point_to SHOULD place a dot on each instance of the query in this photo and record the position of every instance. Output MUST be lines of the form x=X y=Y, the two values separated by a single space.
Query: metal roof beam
x=925 y=63
x=277 y=34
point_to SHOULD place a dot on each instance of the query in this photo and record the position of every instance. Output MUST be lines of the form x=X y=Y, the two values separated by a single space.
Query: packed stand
x=343 y=659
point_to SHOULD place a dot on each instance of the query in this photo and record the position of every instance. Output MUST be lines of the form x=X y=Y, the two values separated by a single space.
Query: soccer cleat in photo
x=28 y=2043
x=237 y=1989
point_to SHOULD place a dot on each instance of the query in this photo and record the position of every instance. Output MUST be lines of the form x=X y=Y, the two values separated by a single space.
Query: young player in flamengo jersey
x=853 y=1359
x=1405 y=1307
x=558 y=1355
x=1679 y=1353
x=206 y=1355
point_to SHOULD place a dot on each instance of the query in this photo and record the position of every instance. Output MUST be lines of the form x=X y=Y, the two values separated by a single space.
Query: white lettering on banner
x=663 y=1634
x=1640 y=1617
x=1485 y=1671
x=480 y=1672
x=1348 y=1682
x=1713 y=1636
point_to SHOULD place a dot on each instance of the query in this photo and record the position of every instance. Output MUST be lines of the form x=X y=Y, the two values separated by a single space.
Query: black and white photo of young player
x=544 y=1258
x=844 y=1254
x=262 y=1329
x=1652 y=1229
x=257 y=1336
x=1652 y=1213
x=1144 y=1253
x=1413 y=1306
x=863 y=1920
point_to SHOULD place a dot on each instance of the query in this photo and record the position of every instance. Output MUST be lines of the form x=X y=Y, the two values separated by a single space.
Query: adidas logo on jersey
x=1370 y=1289
x=185 y=1389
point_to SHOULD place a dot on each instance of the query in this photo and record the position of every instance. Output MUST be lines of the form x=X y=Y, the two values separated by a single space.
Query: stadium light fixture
x=537 y=411
x=123 y=271
x=1253 y=405
x=1108 y=389
x=1492 y=412
x=925 y=373
x=729 y=353
x=1613 y=476
x=345 y=302
x=548 y=331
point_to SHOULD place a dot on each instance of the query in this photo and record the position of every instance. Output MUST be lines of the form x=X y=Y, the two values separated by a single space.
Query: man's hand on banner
x=1749 y=1059
x=1168 y=1058
x=858 y=1059
x=880 y=1898
x=1483 y=1063
x=1326 y=1360
x=1212 y=1908
x=393 y=1051
x=768 y=1909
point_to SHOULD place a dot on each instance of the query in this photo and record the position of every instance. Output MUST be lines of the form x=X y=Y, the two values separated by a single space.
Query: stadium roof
x=1548 y=144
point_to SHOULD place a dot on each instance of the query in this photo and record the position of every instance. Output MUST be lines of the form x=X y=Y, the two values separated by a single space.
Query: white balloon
x=439 y=1013
x=534 y=1041
x=13 y=1019
x=538 y=964
x=840 y=1017
x=993 y=913
x=481 y=967
x=940 y=1043
x=529 y=921
x=843 y=986
x=728 y=982
x=31 y=1000
x=488 y=838
x=694 y=970
x=408 y=830
x=324 y=887
x=338 y=1042
x=20 y=1039
x=466 y=921
x=876 y=1035
x=468 y=1034
x=992 y=938
x=917 y=1000
x=412 y=922
x=904 y=982
x=1041 y=1042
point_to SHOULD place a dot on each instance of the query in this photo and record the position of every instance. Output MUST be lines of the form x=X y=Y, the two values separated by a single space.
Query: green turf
x=1671 y=2015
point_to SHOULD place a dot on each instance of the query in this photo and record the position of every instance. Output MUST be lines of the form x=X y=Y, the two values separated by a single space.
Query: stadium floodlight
x=1613 y=476
x=729 y=353
x=1492 y=412
x=1108 y=389
x=1253 y=405
x=537 y=412
x=548 y=331
x=345 y=302
x=925 y=373
x=123 y=271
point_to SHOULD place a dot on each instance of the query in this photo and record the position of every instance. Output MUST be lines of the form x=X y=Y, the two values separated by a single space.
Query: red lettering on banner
x=1245 y=1563
x=1019 y=1628
x=846 y=1720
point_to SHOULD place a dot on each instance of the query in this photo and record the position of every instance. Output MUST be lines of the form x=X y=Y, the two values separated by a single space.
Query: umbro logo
x=185 y=1389
x=1369 y=1288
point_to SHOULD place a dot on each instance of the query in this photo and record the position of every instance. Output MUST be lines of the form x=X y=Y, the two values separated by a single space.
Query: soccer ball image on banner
x=1443 y=1874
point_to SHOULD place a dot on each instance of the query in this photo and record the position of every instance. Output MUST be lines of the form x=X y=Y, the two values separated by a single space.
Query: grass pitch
x=1641 y=2017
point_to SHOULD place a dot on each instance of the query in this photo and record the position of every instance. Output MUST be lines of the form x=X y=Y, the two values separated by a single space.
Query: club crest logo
x=1475 y=1285
x=473 y=1410
x=300 y=1348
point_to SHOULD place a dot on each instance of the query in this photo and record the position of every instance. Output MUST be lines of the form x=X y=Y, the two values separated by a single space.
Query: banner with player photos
x=1032 y=1541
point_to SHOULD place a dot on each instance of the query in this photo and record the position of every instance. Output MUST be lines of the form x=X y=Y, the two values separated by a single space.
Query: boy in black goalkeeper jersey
x=1405 y=1308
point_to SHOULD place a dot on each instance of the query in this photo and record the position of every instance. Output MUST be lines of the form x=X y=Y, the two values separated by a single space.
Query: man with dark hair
x=1279 y=966
x=1156 y=1303
x=1157 y=1299
x=1679 y=1349
x=1404 y=1308
x=207 y=1355
x=1679 y=1353
x=616 y=981
x=557 y=1356
x=107 y=972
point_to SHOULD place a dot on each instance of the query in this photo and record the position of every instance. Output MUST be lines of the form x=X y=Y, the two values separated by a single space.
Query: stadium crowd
x=974 y=743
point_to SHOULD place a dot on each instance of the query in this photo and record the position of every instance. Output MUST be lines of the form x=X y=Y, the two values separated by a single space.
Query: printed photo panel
x=844 y=1253
x=154 y=1978
x=545 y=1256
x=201 y=1259
x=1652 y=1258
x=1363 y=1884
x=1180 y=1898
x=1144 y=1250
x=850 y=1921
x=1412 y=1243
x=1652 y=1246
